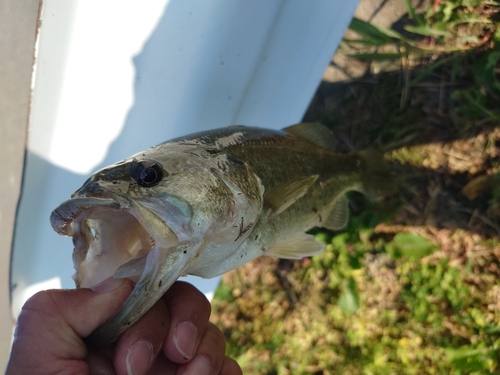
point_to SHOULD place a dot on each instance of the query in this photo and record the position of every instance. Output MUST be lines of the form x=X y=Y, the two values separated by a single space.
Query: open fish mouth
x=115 y=236
x=112 y=237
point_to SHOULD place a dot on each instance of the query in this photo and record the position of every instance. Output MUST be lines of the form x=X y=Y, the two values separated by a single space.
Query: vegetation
x=411 y=286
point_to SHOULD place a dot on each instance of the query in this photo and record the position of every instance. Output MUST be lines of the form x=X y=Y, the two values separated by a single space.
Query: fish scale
x=207 y=203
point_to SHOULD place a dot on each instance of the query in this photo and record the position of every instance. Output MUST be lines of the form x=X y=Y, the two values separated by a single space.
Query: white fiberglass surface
x=115 y=77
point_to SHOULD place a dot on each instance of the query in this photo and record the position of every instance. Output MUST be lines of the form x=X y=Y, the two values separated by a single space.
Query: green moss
x=409 y=155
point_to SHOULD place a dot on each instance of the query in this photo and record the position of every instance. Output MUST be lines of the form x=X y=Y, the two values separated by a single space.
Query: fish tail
x=375 y=175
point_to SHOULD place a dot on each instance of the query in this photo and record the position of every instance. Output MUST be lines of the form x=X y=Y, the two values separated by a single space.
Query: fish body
x=207 y=203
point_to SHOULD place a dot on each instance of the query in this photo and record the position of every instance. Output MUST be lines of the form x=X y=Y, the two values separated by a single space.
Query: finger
x=52 y=323
x=210 y=355
x=139 y=345
x=99 y=363
x=189 y=313
x=163 y=366
x=230 y=367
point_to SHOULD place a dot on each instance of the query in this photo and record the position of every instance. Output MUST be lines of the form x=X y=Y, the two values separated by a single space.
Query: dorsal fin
x=316 y=133
x=287 y=193
x=339 y=215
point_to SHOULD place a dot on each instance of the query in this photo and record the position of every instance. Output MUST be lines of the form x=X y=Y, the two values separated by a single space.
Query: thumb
x=87 y=309
x=52 y=323
x=81 y=310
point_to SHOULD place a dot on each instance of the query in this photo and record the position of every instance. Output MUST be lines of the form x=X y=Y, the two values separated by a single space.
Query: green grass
x=363 y=311
x=462 y=35
x=411 y=286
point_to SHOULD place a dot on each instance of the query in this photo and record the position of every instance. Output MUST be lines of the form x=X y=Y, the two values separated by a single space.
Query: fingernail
x=198 y=366
x=185 y=337
x=139 y=358
x=107 y=285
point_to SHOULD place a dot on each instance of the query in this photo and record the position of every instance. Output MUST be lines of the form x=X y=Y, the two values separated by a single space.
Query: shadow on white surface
x=197 y=66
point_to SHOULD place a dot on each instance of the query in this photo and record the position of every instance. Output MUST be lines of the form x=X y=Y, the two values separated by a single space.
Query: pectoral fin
x=287 y=193
x=339 y=215
x=297 y=247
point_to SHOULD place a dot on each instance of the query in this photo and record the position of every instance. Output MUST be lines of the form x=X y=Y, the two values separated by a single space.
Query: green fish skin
x=207 y=203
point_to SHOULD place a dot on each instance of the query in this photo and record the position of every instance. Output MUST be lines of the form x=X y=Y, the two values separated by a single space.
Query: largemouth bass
x=207 y=203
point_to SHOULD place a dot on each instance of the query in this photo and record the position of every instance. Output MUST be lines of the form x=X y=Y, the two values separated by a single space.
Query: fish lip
x=72 y=209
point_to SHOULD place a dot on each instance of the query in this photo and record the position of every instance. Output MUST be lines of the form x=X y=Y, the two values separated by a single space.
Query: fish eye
x=146 y=173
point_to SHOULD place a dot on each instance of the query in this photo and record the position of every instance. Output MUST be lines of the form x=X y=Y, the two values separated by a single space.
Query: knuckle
x=182 y=293
x=40 y=303
x=215 y=337
x=230 y=367
x=37 y=309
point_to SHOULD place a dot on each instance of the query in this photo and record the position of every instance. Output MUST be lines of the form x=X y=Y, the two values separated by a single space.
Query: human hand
x=173 y=337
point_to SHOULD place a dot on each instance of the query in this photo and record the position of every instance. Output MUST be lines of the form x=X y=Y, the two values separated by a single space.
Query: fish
x=207 y=203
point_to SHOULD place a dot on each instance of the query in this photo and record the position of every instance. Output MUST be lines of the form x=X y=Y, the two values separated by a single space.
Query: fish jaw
x=146 y=293
x=114 y=236
x=109 y=234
